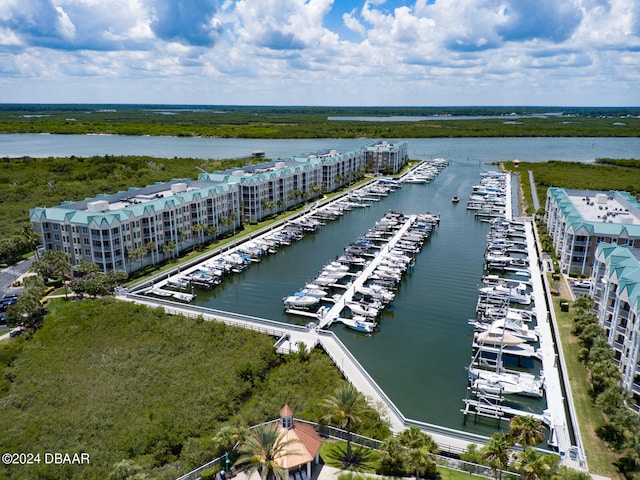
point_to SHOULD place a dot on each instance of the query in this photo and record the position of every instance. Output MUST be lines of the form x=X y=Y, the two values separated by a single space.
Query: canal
x=423 y=344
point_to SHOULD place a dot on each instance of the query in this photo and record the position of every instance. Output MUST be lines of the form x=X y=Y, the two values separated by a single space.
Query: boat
x=313 y=292
x=358 y=323
x=517 y=294
x=512 y=326
x=502 y=342
x=300 y=300
x=506 y=383
x=455 y=199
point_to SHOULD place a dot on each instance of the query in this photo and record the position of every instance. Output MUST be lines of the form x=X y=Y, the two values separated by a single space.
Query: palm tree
x=497 y=452
x=226 y=438
x=418 y=459
x=526 y=430
x=420 y=447
x=344 y=408
x=535 y=466
x=262 y=450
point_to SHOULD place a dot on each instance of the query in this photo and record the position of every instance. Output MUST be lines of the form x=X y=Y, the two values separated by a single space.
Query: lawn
x=599 y=458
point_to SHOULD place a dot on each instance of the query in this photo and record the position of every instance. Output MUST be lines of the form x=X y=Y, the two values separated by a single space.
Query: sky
x=321 y=52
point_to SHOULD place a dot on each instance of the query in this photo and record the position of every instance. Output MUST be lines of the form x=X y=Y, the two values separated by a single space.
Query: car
x=10 y=296
x=582 y=284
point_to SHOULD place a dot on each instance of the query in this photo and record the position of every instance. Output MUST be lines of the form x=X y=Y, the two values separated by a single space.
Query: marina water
x=419 y=353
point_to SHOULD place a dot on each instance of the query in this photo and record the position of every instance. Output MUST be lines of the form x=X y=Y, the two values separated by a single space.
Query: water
x=419 y=354
x=476 y=149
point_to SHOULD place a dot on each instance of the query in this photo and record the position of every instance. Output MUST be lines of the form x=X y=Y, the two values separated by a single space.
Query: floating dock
x=347 y=296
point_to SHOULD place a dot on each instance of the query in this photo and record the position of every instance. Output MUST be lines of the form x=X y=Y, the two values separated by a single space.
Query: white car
x=582 y=284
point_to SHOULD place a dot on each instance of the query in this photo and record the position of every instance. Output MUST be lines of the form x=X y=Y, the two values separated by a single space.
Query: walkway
x=554 y=391
x=534 y=192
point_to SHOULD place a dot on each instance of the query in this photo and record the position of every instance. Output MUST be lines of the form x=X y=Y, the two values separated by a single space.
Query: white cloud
x=283 y=51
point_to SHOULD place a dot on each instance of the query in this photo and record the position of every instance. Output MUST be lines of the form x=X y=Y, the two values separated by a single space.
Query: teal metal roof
x=575 y=220
x=623 y=265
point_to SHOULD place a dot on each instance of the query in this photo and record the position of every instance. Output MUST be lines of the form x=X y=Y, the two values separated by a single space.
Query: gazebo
x=304 y=447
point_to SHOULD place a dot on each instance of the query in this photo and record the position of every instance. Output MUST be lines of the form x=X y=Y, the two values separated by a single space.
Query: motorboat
x=455 y=199
x=503 y=382
x=314 y=292
x=300 y=300
x=502 y=342
x=359 y=324
x=368 y=311
x=178 y=283
x=511 y=326
x=517 y=294
x=377 y=292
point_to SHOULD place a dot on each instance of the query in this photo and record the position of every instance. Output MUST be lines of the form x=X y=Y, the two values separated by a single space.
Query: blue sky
x=321 y=52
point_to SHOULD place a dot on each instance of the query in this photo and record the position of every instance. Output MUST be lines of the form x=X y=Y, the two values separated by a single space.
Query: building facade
x=578 y=220
x=271 y=188
x=386 y=157
x=337 y=168
x=132 y=229
x=616 y=291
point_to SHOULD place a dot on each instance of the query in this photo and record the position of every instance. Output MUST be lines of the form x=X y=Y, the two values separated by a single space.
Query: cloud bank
x=321 y=52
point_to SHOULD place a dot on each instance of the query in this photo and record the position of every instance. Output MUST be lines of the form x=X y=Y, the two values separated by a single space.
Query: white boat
x=517 y=294
x=314 y=292
x=369 y=311
x=300 y=301
x=513 y=327
x=325 y=280
x=377 y=292
x=503 y=342
x=178 y=283
x=358 y=323
x=519 y=383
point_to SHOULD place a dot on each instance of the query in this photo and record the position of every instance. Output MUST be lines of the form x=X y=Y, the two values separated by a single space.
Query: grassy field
x=122 y=381
x=600 y=459
x=573 y=175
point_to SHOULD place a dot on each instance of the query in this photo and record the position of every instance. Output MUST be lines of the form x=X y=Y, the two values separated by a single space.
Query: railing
x=195 y=474
x=327 y=431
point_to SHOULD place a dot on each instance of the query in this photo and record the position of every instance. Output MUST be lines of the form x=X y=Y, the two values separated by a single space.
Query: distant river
x=475 y=149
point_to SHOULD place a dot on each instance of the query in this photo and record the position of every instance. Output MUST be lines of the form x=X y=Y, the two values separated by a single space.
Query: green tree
x=263 y=449
x=51 y=265
x=420 y=448
x=497 y=452
x=226 y=438
x=535 y=466
x=27 y=312
x=344 y=408
x=526 y=430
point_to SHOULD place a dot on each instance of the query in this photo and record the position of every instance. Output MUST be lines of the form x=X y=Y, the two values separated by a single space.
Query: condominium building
x=616 y=290
x=386 y=157
x=128 y=230
x=578 y=220
x=337 y=168
x=132 y=229
x=270 y=188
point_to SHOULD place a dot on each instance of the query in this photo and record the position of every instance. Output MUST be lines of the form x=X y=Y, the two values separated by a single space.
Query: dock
x=334 y=312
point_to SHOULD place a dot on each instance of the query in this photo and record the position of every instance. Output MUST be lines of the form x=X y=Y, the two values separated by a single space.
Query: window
x=56 y=226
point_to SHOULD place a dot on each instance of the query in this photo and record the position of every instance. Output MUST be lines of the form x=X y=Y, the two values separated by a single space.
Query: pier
x=334 y=312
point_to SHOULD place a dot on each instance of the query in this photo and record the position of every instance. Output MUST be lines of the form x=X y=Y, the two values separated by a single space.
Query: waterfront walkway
x=554 y=389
